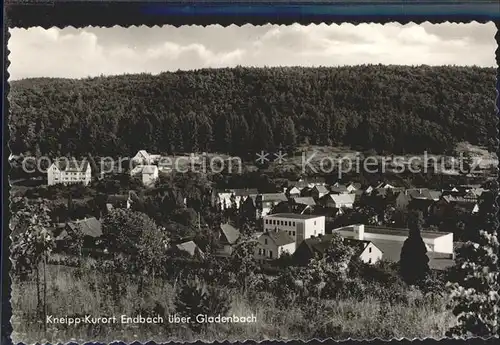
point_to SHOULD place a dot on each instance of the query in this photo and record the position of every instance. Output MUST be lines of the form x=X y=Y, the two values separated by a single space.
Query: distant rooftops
x=292 y=216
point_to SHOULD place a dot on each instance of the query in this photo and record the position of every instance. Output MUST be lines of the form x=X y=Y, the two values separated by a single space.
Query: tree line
x=398 y=109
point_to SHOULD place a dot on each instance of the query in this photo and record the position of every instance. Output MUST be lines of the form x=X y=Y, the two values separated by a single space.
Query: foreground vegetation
x=399 y=311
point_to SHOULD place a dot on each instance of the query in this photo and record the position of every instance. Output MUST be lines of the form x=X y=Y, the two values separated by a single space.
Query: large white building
x=66 y=171
x=297 y=226
x=390 y=240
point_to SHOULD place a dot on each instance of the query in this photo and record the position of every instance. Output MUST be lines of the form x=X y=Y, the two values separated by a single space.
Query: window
x=260 y=251
x=265 y=241
x=370 y=250
x=293 y=232
x=315 y=232
x=282 y=223
x=270 y=254
x=266 y=221
x=293 y=223
x=314 y=222
x=264 y=252
x=370 y=260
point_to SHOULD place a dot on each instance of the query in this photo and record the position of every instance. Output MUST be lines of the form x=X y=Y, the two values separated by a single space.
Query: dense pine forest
x=395 y=109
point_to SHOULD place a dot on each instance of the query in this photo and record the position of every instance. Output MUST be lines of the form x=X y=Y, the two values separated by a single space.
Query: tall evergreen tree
x=414 y=263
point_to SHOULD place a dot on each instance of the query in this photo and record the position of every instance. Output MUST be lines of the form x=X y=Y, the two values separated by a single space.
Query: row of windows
x=280 y=222
x=67 y=179
x=265 y=252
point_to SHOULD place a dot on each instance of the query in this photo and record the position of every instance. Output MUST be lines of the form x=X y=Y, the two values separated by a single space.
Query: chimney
x=359 y=230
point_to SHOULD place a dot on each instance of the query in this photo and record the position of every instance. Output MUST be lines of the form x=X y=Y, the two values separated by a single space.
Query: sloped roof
x=289 y=189
x=318 y=244
x=321 y=189
x=356 y=185
x=149 y=169
x=435 y=194
x=309 y=201
x=299 y=184
x=230 y=233
x=189 y=247
x=358 y=245
x=89 y=227
x=342 y=198
x=339 y=189
x=72 y=165
x=280 y=238
x=267 y=197
x=143 y=153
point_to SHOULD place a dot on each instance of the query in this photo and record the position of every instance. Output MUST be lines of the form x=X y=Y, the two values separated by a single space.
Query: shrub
x=195 y=298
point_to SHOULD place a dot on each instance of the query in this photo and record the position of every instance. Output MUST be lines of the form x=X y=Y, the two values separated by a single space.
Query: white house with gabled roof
x=390 y=240
x=67 y=171
x=149 y=174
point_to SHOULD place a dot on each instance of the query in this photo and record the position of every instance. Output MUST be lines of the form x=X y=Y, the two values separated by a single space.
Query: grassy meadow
x=75 y=291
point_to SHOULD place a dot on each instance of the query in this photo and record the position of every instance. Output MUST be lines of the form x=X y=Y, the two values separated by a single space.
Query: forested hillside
x=387 y=108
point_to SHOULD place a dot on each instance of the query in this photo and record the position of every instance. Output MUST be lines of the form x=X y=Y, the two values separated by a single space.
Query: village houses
x=390 y=240
x=232 y=198
x=338 y=201
x=365 y=250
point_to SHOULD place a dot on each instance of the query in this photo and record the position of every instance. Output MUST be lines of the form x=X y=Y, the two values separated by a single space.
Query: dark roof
x=89 y=227
x=292 y=215
x=72 y=165
x=189 y=247
x=358 y=245
x=280 y=238
x=117 y=199
x=318 y=244
x=230 y=233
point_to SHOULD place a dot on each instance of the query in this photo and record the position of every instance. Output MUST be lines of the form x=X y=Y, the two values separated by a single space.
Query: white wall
x=314 y=227
x=371 y=252
x=444 y=244
x=264 y=248
x=52 y=173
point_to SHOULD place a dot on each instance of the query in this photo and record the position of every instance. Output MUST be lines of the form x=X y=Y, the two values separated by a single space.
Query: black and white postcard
x=271 y=182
